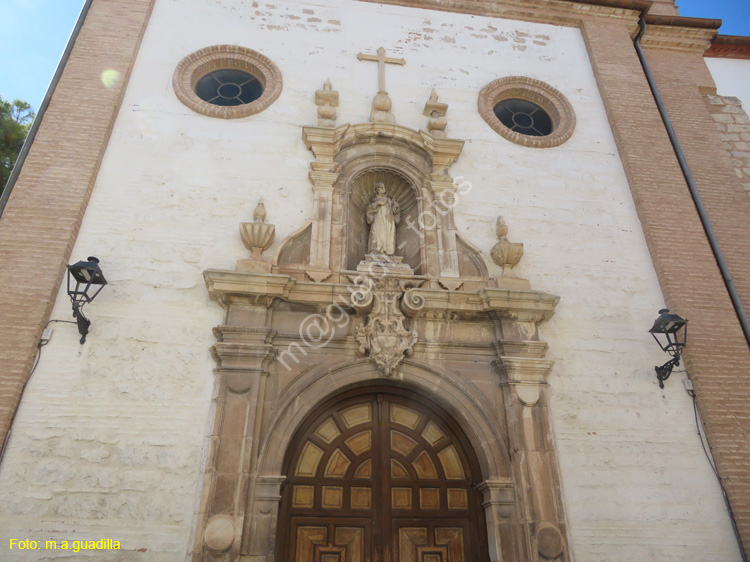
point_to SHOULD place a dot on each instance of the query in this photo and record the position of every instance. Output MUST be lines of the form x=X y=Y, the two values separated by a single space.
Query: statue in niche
x=383 y=214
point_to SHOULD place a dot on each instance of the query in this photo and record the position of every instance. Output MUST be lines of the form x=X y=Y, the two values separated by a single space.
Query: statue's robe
x=382 y=220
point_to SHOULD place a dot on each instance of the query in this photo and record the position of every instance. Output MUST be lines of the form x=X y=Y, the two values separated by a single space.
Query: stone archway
x=380 y=473
x=472 y=414
x=480 y=360
x=470 y=409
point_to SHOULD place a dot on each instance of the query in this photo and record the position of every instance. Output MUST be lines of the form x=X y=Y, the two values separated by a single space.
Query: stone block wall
x=733 y=125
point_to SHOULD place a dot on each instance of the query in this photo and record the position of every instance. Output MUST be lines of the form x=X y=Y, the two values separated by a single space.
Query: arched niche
x=358 y=193
x=413 y=163
x=404 y=171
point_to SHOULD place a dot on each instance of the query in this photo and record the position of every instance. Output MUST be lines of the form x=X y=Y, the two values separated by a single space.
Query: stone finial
x=259 y=214
x=257 y=237
x=506 y=254
x=436 y=111
x=327 y=101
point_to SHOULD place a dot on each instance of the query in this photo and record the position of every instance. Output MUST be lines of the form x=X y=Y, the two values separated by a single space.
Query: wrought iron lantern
x=670 y=332
x=87 y=276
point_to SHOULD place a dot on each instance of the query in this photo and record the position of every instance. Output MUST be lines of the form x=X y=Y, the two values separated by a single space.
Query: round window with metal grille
x=523 y=116
x=228 y=86
x=227 y=81
x=527 y=111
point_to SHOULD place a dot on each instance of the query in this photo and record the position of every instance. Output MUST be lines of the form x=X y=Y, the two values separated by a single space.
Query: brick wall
x=733 y=126
x=723 y=395
x=44 y=212
x=717 y=357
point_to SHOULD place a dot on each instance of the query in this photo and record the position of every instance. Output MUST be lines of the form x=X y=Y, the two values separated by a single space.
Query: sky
x=33 y=35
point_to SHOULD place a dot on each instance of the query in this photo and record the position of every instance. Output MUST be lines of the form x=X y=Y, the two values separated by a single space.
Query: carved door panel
x=342 y=541
x=431 y=543
x=380 y=478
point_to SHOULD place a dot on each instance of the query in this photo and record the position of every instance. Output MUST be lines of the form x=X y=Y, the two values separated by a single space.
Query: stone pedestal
x=379 y=264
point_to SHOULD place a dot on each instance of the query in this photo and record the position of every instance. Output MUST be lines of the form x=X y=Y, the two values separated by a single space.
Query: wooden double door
x=381 y=477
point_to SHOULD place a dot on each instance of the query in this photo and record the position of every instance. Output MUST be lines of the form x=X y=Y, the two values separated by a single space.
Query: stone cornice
x=524 y=306
x=532 y=349
x=677 y=37
x=555 y=12
x=326 y=143
x=230 y=287
x=523 y=370
x=242 y=350
x=680 y=21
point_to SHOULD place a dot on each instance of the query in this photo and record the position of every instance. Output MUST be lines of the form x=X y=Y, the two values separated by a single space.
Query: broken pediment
x=294 y=252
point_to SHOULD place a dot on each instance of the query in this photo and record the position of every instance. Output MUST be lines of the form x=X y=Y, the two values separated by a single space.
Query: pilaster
x=243 y=356
x=523 y=373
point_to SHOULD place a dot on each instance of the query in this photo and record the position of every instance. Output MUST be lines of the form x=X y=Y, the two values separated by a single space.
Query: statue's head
x=380 y=188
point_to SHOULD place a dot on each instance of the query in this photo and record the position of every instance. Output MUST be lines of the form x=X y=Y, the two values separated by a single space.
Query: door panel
x=379 y=477
x=336 y=541
x=440 y=542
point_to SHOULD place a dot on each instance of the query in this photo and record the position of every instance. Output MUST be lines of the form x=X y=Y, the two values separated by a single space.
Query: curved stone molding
x=295 y=250
x=472 y=409
x=471 y=261
x=193 y=67
x=551 y=100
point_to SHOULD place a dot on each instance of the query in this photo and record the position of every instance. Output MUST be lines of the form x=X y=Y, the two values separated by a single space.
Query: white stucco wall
x=109 y=439
x=732 y=77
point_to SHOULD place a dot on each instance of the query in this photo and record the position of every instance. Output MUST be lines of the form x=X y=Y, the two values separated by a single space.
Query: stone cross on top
x=381 y=59
x=381 y=105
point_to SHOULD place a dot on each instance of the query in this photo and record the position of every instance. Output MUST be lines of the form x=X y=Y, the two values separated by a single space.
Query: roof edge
x=729 y=47
x=681 y=21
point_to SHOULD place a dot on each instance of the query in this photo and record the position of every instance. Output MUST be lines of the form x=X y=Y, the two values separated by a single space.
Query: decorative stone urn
x=506 y=254
x=257 y=237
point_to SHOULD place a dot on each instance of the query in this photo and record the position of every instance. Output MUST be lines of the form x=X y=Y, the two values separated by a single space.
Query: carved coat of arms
x=384 y=336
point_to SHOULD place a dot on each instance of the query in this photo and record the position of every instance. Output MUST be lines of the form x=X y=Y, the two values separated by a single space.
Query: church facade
x=380 y=280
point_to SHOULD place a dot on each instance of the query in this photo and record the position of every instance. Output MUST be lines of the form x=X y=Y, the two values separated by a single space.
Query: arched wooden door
x=381 y=477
